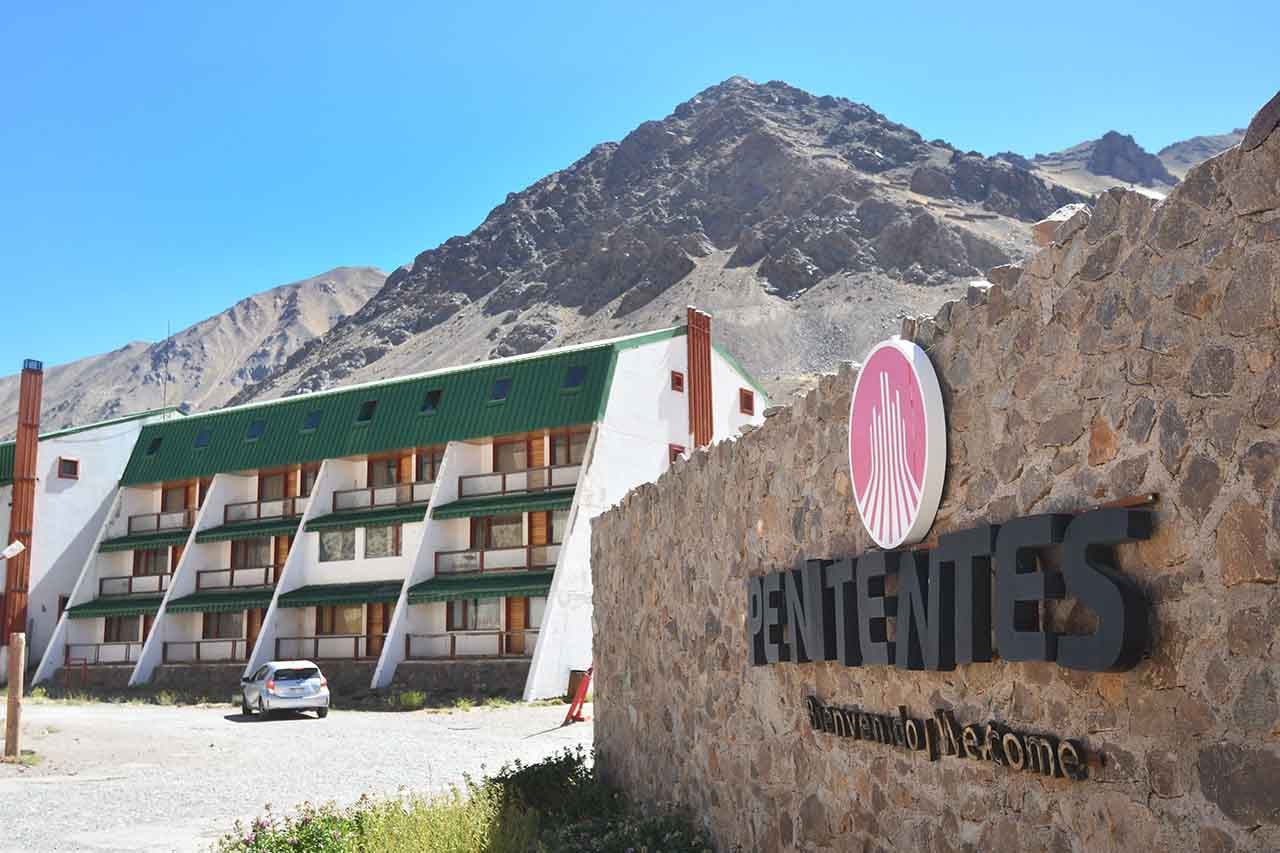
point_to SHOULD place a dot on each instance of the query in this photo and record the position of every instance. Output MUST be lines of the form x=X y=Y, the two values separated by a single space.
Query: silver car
x=285 y=685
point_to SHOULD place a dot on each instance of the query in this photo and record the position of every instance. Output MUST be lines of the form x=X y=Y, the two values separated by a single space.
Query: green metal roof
x=140 y=541
x=405 y=513
x=221 y=601
x=125 y=605
x=503 y=504
x=330 y=594
x=250 y=529
x=483 y=585
x=7 y=447
x=537 y=400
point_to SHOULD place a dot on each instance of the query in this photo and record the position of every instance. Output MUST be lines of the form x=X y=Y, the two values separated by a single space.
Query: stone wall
x=213 y=679
x=1136 y=354
x=447 y=679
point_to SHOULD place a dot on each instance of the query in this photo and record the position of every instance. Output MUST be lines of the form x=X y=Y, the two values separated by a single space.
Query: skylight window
x=501 y=389
x=202 y=438
x=311 y=421
x=574 y=377
x=431 y=401
x=367 y=408
x=255 y=430
x=154 y=445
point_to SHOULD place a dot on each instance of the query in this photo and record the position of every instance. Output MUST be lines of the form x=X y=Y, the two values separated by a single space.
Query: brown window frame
x=141 y=561
x=568 y=435
x=111 y=629
x=376 y=458
x=397 y=542
x=216 y=619
x=74 y=473
x=303 y=470
x=674 y=452
x=449 y=624
x=522 y=441
x=434 y=454
x=327 y=619
x=746 y=401
x=285 y=473
x=677 y=381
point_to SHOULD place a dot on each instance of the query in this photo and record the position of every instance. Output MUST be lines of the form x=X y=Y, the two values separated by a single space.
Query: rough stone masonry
x=1136 y=353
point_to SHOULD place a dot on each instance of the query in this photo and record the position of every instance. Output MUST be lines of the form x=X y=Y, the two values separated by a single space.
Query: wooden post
x=17 y=664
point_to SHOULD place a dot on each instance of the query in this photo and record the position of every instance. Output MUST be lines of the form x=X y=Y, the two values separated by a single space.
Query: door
x=283 y=544
x=376 y=628
x=536 y=455
x=539 y=538
x=252 y=627
x=517 y=621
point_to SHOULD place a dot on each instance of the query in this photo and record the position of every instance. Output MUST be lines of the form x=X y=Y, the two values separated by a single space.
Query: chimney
x=13 y=618
x=698 y=341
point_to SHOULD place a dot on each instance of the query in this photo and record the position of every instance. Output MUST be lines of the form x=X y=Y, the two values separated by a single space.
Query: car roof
x=291 y=664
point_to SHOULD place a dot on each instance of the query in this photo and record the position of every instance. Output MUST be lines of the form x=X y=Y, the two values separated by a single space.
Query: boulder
x=1045 y=231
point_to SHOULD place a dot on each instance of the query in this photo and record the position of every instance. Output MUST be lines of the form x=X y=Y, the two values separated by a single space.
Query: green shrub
x=411 y=700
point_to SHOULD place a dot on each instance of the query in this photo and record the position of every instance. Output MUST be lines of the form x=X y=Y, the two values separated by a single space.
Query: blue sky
x=160 y=161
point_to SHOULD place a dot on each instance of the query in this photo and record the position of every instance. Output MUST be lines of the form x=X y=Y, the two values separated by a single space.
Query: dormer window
x=202 y=438
x=367 y=408
x=431 y=401
x=154 y=446
x=255 y=430
x=574 y=377
x=312 y=421
x=501 y=390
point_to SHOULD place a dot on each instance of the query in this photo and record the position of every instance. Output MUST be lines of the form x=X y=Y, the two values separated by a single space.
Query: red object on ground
x=579 y=699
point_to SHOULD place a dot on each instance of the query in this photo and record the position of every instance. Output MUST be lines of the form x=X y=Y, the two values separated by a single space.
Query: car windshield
x=301 y=674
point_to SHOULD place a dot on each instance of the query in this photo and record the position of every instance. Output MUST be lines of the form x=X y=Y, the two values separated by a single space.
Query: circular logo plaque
x=897 y=443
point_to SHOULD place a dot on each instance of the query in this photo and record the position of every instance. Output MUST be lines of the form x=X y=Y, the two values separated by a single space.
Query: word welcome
x=838 y=610
x=941 y=734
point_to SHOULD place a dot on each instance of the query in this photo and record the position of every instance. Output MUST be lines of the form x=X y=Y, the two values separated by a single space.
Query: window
x=312 y=421
x=337 y=545
x=122 y=629
x=674 y=452
x=429 y=461
x=498 y=531
x=202 y=438
x=68 y=469
x=272 y=487
x=255 y=430
x=574 y=377
x=223 y=626
x=154 y=446
x=677 y=381
x=367 y=408
x=173 y=498
x=510 y=456
x=431 y=401
x=307 y=479
x=559 y=525
x=340 y=620
x=569 y=448
x=474 y=615
x=384 y=471
x=746 y=401
x=151 y=561
x=382 y=541
x=251 y=553
x=501 y=390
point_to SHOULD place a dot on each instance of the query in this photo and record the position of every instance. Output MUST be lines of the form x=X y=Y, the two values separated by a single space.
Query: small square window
x=68 y=469
x=674 y=452
x=367 y=408
x=574 y=377
x=746 y=401
x=312 y=421
x=677 y=381
x=255 y=430
x=431 y=401
x=154 y=446
x=501 y=389
x=202 y=438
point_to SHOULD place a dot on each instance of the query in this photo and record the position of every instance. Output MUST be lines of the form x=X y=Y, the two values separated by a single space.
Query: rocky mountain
x=1115 y=159
x=202 y=366
x=807 y=225
x=1181 y=156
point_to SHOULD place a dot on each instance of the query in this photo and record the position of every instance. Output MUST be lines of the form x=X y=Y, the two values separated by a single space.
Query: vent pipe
x=698 y=341
x=17 y=575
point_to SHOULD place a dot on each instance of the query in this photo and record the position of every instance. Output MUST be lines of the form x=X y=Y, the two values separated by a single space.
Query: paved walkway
x=141 y=777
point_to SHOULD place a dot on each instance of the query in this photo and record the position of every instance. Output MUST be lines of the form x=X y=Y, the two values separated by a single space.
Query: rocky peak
x=1116 y=154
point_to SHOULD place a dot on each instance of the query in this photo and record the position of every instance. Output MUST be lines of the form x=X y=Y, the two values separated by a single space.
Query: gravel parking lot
x=141 y=777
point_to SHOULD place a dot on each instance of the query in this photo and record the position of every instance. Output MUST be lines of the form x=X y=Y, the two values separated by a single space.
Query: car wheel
x=322 y=713
x=244 y=707
x=262 y=709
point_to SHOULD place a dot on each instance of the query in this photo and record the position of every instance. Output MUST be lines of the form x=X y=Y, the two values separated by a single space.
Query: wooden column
x=13 y=715
x=13 y=616
x=698 y=341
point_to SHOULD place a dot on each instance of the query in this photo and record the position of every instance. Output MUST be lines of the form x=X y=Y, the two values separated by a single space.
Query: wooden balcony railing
x=263 y=510
x=329 y=647
x=94 y=654
x=205 y=651
x=463 y=644
x=512 y=482
x=133 y=585
x=155 y=522
x=470 y=561
x=244 y=577
x=371 y=497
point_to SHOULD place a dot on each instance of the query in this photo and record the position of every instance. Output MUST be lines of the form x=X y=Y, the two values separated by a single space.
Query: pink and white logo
x=897 y=443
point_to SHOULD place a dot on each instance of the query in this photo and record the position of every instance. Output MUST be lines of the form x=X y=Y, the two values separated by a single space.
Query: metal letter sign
x=897 y=443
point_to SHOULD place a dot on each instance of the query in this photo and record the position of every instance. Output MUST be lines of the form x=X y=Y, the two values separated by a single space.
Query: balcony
x=133 y=585
x=472 y=560
x=329 y=647
x=516 y=482
x=101 y=654
x=206 y=651
x=373 y=497
x=466 y=644
x=242 y=511
x=157 y=522
x=244 y=577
